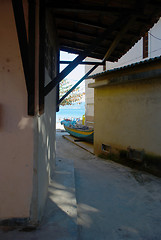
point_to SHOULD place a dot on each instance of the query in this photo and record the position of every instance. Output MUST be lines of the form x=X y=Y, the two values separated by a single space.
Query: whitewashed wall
x=89 y=93
x=135 y=54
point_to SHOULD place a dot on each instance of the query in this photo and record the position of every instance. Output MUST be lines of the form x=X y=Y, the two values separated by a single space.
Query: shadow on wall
x=46 y=158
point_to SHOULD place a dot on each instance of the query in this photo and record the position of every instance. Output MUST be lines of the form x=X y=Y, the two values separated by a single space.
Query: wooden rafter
x=80 y=32
x=57 y=87
x=72 y=21
x=80 y=8
x=83 y=55
x=41 y=55
x=78 y=51
x=83 y=63
x=83 y=22
x=118 y=38
x=75 y=40
x=74 y=43
x=31 y=37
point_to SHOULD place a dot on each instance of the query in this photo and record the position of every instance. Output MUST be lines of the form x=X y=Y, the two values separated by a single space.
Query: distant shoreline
x=70 y=114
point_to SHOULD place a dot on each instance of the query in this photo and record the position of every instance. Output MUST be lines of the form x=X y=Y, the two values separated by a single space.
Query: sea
x=71 y=112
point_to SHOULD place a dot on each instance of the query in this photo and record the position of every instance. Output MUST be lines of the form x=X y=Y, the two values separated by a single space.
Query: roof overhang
x=80 y=23
x=100 y=29
x=146 y=70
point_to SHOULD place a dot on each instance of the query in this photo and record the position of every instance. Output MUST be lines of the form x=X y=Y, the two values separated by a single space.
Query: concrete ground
x=93 y=199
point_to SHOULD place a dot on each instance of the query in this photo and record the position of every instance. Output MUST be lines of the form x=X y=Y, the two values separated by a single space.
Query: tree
x=74 y=97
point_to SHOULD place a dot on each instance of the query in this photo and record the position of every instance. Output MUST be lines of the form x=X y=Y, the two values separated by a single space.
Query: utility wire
x=154 y=36
x=141 y=55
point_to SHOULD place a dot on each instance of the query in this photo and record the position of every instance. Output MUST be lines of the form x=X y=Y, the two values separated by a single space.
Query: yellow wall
x=16 y=127
x=129 y=115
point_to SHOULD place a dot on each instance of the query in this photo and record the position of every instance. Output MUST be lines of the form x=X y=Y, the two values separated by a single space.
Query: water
x=69 y=113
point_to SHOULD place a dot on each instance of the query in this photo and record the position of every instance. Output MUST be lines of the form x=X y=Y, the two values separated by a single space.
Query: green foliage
x=74 y=97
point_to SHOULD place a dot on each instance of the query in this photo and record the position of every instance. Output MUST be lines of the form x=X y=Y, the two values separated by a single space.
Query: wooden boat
x=83 y=134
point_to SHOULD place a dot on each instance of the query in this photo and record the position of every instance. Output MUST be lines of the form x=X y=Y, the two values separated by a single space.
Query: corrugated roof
x=127 y=67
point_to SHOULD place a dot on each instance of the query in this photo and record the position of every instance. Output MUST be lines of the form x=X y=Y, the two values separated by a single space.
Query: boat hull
x=86 y=135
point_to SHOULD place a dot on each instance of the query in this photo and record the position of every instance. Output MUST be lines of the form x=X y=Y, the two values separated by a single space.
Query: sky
x=77 y=73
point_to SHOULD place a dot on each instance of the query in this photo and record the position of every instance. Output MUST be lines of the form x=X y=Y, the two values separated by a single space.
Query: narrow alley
x=113 y=201
x=94 y=199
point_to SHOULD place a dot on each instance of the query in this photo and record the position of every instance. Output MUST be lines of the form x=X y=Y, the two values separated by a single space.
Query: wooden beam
x=24 y=50
x=76 y=85
x=80 y=21
x=87 y=9
x=118 y=38
x=84 y=54
x=31 y=37
x=72 y=41
x=57 y=87
x=83 y=63
x=42 y=18
x=78 y=51
x=76 y=45
x=64 y=73
x=80 y=32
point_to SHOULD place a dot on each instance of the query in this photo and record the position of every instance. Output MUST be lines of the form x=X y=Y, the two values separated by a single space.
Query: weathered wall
x=128 y=115
x=16 y=128
x=45 y=130
x=45 y=148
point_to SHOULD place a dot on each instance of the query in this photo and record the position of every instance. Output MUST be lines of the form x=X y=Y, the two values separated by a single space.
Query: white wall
x=155 y=44
x=89 y=92
x=135 y=54
x=45 y=136
x=132 y=56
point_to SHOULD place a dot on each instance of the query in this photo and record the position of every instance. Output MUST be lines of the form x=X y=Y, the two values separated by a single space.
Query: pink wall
x=16 y=128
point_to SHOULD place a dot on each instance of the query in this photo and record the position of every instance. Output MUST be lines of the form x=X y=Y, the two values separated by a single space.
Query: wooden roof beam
x=78 y=51
x=80 y=8
x=65 y=30
x=82 y=63
x=77 y=84
x=118 y=23
x=73 y=41
x=81 y=46
x=80 y=21
x=118 y=38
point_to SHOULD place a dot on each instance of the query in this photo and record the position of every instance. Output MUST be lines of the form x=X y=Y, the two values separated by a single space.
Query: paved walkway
x=114 y=202
x=93 y=199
